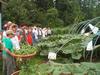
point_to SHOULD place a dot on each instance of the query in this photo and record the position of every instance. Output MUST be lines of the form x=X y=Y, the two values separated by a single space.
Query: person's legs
x=4 y=71
x=10 y=66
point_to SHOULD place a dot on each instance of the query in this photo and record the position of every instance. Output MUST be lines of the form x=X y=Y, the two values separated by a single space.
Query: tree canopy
x=50 y=12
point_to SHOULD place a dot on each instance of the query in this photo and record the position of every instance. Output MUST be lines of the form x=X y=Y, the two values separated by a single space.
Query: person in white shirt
x=15 y=40
x=39 y=32
x=44 y=32
x=35 y=32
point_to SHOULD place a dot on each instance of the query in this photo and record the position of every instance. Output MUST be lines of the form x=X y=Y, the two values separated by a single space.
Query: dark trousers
x=8 y=65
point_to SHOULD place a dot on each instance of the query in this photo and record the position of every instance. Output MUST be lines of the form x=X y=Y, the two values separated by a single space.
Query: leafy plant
x=25 y=49
x=52 y=68
x=68 y=44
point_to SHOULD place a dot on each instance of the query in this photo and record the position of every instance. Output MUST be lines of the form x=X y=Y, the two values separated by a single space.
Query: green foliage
x=20 y=11
x=90 y=8
x=73 y=44
x=52 y=68
x=63 y=13
x=67 y=44
x=25 y=49
x=78 y=14
x=53 y=13
x=61 y=30
x=52 y=18
x=70 y=11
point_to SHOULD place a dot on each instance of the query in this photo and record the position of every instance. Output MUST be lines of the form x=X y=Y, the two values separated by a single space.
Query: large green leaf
x=76 y=56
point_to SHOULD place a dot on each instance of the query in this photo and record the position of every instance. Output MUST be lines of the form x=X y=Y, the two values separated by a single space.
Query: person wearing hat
x=15 y=39
x=8 y=60
x=6 y=27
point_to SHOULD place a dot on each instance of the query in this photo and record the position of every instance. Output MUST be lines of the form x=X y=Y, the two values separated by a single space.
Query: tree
x=18 y=11
x=69 y=11
x=48 y=12
x=52 y=18
x=90 y=8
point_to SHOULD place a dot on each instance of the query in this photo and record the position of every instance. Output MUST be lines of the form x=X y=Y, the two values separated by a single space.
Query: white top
x=4 y=34
x=49 y=31
x=15 y=42
x=44 y=32
x=35 y=31
x=40 y=31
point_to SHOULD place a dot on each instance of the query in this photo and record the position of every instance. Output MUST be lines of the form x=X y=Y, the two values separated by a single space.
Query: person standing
x=15 y=40
x=35 y=34
x=8 y=60
x=6 y=27
x=29 y=37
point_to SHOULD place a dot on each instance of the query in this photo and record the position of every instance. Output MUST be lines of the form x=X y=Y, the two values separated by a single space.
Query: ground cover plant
x=67 y=44
x=51 y=68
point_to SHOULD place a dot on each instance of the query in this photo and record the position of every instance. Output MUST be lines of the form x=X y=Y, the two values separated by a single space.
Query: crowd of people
x=26 y=34
x=11 y=38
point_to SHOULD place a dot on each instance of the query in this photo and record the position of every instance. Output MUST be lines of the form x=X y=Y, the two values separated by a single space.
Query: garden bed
x=52 y=68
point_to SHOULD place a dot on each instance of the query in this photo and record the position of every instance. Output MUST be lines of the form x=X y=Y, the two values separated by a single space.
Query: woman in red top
x=29 y=37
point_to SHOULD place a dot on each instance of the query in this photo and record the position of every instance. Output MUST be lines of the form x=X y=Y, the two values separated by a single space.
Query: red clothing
x=29 y=38
x=19 y=37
